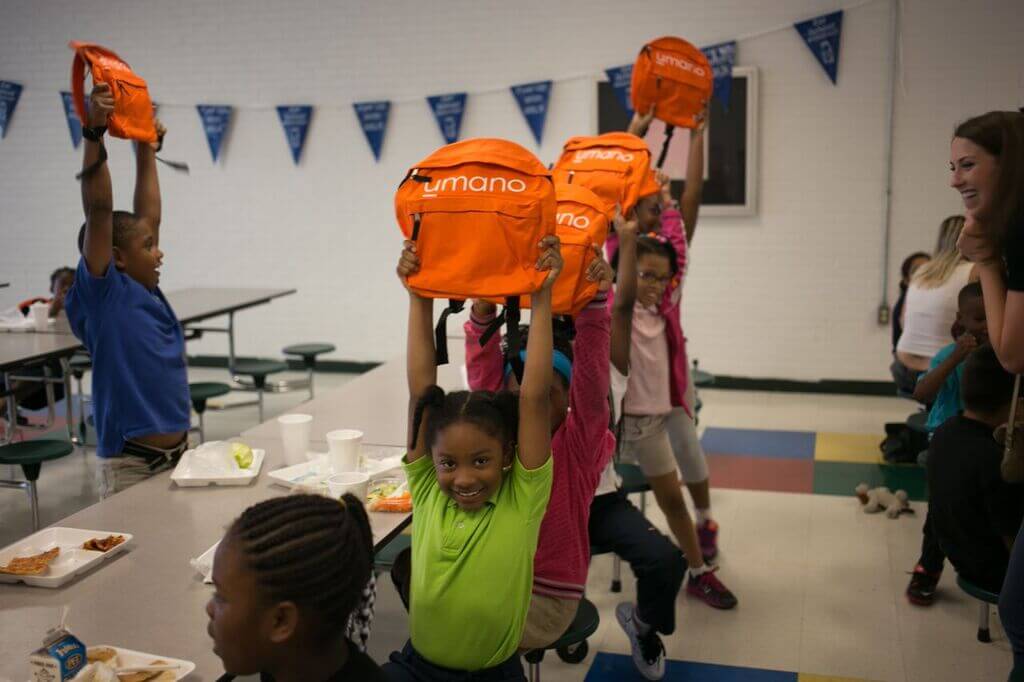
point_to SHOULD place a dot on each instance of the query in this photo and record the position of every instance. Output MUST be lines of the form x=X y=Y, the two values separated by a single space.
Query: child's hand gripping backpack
x=477 y=210
x=133 y=111
x=613 y=166
x=674 y=78
x=133 y=117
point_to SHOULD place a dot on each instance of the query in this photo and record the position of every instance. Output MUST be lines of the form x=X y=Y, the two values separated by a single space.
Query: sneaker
x=707 y=534
x=710 y=589
x=921 y=590
x=648 y=651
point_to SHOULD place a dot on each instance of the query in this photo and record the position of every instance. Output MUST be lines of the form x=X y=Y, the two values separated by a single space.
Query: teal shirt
x=947 y=403
x=472 y=571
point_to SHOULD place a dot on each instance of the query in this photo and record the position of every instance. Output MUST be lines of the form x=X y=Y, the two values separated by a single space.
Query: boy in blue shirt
x=116 y=308
x=940 y=388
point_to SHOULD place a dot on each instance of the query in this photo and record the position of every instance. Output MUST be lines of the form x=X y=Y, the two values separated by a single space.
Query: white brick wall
x=790 y=293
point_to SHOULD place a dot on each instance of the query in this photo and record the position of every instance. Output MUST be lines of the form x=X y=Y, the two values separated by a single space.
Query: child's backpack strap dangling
x=514 y=337
x=441 y=331
x=669 y=129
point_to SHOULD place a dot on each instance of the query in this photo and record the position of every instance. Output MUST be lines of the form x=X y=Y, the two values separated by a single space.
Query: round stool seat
x=384 y=559
x=308 y=351
x=30 y=454
x=583 y=625
x=977 y=592
x=633 y=479
x=79 y=365
x=202 y=391
x=596 y=550
x=259 y=369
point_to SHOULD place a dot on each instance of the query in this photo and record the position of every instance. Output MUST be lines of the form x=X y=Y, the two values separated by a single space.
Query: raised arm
x=929 y=385
x=535 y=389
x=147 y=184
x=421 y=367
x=689 y=206
x=97 y=195
x=625 y=293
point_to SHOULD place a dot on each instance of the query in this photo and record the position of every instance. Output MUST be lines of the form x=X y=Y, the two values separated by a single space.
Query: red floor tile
x=760 y=473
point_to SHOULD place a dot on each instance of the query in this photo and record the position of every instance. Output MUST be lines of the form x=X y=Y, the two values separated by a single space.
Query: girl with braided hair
x=288 y=576
x=480 y=470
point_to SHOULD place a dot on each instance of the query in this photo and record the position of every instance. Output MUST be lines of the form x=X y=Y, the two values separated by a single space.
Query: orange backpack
x=612 y=166
x=476 y=210
x=582 y=211
x=133 y=111
x=673 y=76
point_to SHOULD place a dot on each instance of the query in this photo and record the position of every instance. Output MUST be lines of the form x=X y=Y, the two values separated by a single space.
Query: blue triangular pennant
x=722 y=57
x=215 y=119
x=448 y=111
x=620 y=78
x=373 y=119
x=822 y=37
x=9 y=94
x=295 y=120
x=533 y=102
x=74 y=125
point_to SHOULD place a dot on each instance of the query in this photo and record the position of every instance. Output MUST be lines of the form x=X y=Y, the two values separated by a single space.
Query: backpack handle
x=441 y=331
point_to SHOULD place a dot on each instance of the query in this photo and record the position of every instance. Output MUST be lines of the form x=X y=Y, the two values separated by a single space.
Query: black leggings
x=657 y=563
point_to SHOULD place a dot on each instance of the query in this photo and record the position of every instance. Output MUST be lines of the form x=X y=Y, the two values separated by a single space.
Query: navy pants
x=408 y=666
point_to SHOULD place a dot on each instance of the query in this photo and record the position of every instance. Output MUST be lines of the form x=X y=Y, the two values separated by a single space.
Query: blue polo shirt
x=139 y=377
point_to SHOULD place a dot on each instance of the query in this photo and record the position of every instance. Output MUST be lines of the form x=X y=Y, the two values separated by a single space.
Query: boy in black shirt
x=975 y=514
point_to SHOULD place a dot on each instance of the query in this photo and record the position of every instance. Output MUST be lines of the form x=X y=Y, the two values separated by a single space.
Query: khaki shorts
x=547 y=620
x=114 y=474
x=661 y=443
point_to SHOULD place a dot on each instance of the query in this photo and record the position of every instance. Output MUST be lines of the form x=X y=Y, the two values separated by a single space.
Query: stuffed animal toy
x=877 y=499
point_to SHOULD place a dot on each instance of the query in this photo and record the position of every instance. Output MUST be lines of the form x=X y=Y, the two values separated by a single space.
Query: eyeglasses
x=653 y=277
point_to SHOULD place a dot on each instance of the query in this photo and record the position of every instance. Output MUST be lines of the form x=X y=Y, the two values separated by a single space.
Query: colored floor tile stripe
x=759 y=443
x=619 y=668
x=804 y=677
x=840 y=478
x=758 y=473
x=848 y=447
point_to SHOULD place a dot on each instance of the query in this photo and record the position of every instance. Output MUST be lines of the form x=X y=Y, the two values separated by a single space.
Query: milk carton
x=61 y=657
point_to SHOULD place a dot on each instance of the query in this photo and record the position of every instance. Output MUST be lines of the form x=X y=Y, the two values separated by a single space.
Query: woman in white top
x=931 y=305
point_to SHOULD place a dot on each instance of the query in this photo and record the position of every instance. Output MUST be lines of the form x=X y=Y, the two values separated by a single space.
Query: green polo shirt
x=472 y=571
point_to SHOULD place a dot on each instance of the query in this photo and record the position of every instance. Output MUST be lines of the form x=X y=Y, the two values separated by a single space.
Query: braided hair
x=310 y=550
x=496 y=414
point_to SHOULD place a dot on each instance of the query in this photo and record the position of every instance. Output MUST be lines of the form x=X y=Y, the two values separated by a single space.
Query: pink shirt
x=647 y=390
x=679 y=371
x=581 y=447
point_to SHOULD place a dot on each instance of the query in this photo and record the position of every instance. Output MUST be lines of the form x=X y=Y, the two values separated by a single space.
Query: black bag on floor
x=902 y=444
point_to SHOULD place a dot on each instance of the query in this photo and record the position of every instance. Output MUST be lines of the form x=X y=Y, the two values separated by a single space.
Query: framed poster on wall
x=730 y=151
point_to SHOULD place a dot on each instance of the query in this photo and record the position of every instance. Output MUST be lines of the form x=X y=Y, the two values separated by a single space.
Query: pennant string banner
x=295 y=120
x=9 y=95
x=621 y=78
x=215 y=119
x=448 y=110
x=74 y=125
x=533 y=102
x=822 y=36
x=373 y=119
x=722 y=57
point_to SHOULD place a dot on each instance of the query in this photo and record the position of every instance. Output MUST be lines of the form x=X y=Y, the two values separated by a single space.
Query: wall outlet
x=883 y=314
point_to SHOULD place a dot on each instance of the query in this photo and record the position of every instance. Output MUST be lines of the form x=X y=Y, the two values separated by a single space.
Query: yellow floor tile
x=847 y=447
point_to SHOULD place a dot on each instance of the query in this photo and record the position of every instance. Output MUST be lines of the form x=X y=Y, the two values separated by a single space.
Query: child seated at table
x=975 y=514
x=480 y=470
x=288 y=576
x=31 y=395
x=115 y=307
x=940 y=387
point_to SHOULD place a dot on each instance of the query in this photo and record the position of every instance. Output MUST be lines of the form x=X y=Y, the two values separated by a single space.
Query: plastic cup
x=295 y=430
x=353 y=482
x=343 y=448
x=40 y=316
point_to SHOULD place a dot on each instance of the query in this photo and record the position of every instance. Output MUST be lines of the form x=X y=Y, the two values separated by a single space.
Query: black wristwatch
x=94 y=134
